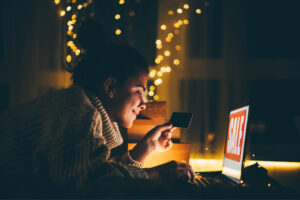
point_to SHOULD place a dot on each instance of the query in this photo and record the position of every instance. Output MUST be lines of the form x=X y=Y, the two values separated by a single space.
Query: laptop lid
x=235 y=144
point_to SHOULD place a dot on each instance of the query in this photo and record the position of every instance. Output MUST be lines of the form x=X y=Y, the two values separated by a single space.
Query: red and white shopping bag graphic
x=236 y=134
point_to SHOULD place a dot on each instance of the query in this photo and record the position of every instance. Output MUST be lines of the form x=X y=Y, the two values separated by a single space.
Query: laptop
x=234 y=153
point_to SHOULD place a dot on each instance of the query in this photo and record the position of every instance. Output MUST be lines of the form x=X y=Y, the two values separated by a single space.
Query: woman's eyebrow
x=142 y=87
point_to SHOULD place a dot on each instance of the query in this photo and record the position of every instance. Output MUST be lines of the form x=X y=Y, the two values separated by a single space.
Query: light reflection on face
x=128 y=100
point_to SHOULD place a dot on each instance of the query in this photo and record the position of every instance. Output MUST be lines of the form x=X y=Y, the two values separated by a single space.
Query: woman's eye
x=139 y=93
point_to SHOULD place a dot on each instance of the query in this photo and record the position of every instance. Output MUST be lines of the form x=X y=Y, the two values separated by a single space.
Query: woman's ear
x=110 y=85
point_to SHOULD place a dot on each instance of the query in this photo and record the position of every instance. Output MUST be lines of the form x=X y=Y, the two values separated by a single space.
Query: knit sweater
x=64 y=137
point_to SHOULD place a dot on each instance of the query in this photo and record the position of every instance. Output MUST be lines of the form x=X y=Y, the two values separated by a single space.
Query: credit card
x=181 y=119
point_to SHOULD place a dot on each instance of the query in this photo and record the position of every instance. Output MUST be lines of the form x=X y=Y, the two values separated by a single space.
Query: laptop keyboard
x=212 y=182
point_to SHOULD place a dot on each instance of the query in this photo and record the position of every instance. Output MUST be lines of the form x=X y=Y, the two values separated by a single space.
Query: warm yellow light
x=167 y=53
x=156 y=97
x=74 y=16
x=158 y=42
x=69 y=58
x=178 y=47
x=171 y=12
x=160 y=57
x=160 y=73
x=77 y=52
x=198 y=11
x=186 y=21
x=158 y=81
x=117 y=16
x=56 y=1
x=176 y=62
x=180 y=22
x=90 y=1
x=186 y=6
x=163 y=27
x=170 y=35
x=85 y=5
x=62 y=13
x=121 y=2
x=79 y=7
x=168 y=69
x=176 y=25
x=152 y=73
x=151 y=93
x=157 y=60
x=74 y=21
x=69 y=8
x=74 y=1
x=152 y=87
x=206 y=164
x=163 y=69
x=70 y=43
x=69 y=32
x=118 y=32
x=159 y=46
x=179 y=10
x=69 y=23
x=177 y=32
x=74 y=35
x=71 y=27
x=274 y=164
x=168 y=39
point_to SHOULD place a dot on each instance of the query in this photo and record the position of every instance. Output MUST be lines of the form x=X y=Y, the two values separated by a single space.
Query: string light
x=121 y=2
x=69 y=8
x=170 y=12
x=69 y=58
x=152 y=73
x=186 y=21
x=178 y=47
x=163 y=27
x=198 y=11
x=117 y=16
x=79 y=7
x=186 y=6
x=152 y=87
x=155 y=97
x=179 y=11
x=118 y=32
x=167 y=53
x=160 y=73
x=158 y=42
x=56 y=2
x=151 y=93
x=176 y=62
x=62 y=13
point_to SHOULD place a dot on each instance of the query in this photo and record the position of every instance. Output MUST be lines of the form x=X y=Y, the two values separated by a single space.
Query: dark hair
x=105 y=59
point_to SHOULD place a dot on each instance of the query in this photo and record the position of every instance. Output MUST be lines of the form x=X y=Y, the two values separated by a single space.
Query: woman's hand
x=172 y=170
x=158 y=139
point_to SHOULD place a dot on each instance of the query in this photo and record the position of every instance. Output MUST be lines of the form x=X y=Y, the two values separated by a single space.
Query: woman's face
x=128 y=100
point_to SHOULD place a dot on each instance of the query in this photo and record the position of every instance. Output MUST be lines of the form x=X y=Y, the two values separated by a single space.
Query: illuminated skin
x=123 y=105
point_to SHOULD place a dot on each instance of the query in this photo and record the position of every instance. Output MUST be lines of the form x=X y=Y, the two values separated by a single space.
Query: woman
x=64 y=139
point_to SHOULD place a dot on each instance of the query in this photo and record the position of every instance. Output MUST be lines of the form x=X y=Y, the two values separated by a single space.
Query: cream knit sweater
x=64 y=137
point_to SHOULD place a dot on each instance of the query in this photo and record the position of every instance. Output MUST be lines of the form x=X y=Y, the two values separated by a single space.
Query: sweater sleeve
x=85 y=157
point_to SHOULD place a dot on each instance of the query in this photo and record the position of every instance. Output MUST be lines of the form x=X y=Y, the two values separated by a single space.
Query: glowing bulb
x=241 y=181
x=167 y=53
x=198 y=11
x=168 y=69
x=71 y=27
x=85 y=5
x=118 y=32
x=176 y=25
x=56 y=1
x=168 y=39
x=160 y=57
x=163 y=27
x=170 y=35
x=269 y=184
x=69 y=23
x=159 y=46
x=62 y=13
x=117 y=16
x=74 y=1
x=69 y=32
x=186 y=6
x=163 y=69
x=158 y=42
x=152 y=87
x=74 y=16
x=79 y=7
x=176 y=62
x=160 y=74
x=69 y=8
x=151 y=93
x=74 y=35
x=157 y=60
x=158 y=81
x=186 y=21
x=178 y=47
x=155 y=97
x=70 y=43
x=180 y=22
x=77 y=52
x=179 y=10
x=152 y=73
x=69 y=58
x=171 y=12
x=121 y=2
x=74 y=21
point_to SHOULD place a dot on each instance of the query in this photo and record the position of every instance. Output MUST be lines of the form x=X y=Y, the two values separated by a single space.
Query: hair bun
x=91 y=36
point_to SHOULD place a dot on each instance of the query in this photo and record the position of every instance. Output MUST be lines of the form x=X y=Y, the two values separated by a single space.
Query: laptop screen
x=235 y=144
